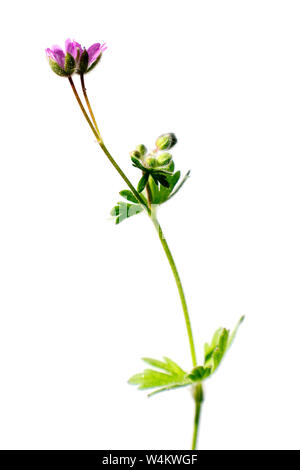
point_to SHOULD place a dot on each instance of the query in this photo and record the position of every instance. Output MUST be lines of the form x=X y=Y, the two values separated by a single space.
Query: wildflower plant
x=157 y=182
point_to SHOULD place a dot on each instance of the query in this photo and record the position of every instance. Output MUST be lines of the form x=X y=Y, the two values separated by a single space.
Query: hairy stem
x=88 y=103
x=196 y=424
x=198 y=392
x=179 y=286
x=198 y=397
x=175 y=273
x=102 y=145
x=83 y=110
x=152 y=213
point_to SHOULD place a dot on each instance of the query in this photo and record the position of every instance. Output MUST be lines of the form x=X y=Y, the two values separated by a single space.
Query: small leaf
x=126 y=194
x=173 y=367
x=209 y=348
x=155 y=363
x=232 y=336
x=154 y=190
x=151 y=378
x=142 y=183
x=172 y=377
x=218 y=348
x=164 y=389
x=124 y=210
x=169 y=365
x=215 y=351
x=164 y=192
x=180 y=185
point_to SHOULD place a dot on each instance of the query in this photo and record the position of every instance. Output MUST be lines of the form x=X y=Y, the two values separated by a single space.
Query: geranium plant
x=157 y=182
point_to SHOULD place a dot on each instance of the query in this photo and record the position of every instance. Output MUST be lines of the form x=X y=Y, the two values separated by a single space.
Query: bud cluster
x=159 y=164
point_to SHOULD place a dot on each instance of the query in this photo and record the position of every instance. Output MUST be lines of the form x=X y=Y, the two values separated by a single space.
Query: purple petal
x=93 y=52
x=59 y=56
x=71 y=48
x=103 y=47
x=78 y=46
x=49 y=54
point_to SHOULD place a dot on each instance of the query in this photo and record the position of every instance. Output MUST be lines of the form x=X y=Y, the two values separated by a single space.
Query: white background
x=82 y=299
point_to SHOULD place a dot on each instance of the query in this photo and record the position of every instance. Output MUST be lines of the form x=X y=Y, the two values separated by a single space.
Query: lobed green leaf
x=127 y=194
x=124 y=210
x=142 y=183
x=172 y=377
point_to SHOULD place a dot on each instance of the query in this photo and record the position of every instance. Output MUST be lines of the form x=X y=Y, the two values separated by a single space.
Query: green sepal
x=94 y=63
x=136 y=163
x=69 y=64
x=57 y=69
x=84 y=62
x=142 y=183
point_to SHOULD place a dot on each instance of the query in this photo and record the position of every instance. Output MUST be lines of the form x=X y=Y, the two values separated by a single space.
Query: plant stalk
x=105 y=150
x=178 y=284
x=198 y=395
x=88 y=103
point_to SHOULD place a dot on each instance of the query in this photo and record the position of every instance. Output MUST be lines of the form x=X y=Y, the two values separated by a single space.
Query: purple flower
x=75 y=58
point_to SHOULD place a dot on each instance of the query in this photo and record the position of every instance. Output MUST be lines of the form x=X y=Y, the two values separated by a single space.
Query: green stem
x=152 y=213
x=196 y=424
x=179 y=285
x=198 y=392
x=88 y=103
x=102 y=145
x=83 y=110
x=114 y=163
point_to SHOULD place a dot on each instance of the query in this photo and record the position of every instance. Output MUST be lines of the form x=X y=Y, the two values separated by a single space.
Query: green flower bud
x=151 y=162
x=166 y=141
x=141 y=149
x=164 y=158
x=135 y=154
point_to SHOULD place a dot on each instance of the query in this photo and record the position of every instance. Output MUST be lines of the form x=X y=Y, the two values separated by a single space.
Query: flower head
x=75 y=58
